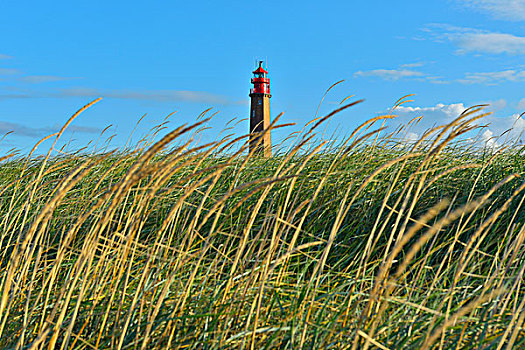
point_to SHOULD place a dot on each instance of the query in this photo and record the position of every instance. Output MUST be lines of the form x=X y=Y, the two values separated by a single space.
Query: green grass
x=358 y=245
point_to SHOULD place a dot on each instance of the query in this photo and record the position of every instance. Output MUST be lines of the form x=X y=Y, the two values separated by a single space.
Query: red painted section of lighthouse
x=260 y=81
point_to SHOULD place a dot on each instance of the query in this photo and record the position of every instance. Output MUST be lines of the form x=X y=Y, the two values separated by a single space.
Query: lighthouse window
x=259 y=101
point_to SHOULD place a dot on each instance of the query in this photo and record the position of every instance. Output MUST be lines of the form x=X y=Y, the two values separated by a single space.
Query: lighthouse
x=260 y=113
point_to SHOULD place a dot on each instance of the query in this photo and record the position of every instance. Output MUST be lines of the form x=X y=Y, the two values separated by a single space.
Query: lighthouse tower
x=260 y=112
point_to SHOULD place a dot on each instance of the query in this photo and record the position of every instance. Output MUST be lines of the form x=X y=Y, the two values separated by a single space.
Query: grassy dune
x=367 y=244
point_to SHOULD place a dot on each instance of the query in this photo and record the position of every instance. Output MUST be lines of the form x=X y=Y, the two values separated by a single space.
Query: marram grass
x=364 y=244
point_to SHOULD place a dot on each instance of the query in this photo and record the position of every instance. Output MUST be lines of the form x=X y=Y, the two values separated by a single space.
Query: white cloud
x=151 y=95
x=488 y=138
x=495 y=133
x=403 y=72
x=494 y=43
x=24 y=130
x=439 y=114
x=521 y=104
x=36 y=79
x=5 y=57
x=411 y=137
x=389 y=74
x=471 y=40
x=412 y=65
x=503 y=129
x=436 y=80
x=492 y=78
x=497 y=105
x=443 y=113
x=9 y=71
x=440 y=111
x=513 y=10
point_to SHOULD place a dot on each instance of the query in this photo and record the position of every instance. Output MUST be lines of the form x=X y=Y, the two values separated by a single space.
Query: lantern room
x=260 y=81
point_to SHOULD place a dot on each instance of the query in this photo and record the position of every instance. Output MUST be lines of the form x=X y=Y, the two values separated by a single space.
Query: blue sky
x=186 y=56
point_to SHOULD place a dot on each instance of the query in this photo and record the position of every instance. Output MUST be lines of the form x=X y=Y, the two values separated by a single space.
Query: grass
x=365 y=244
